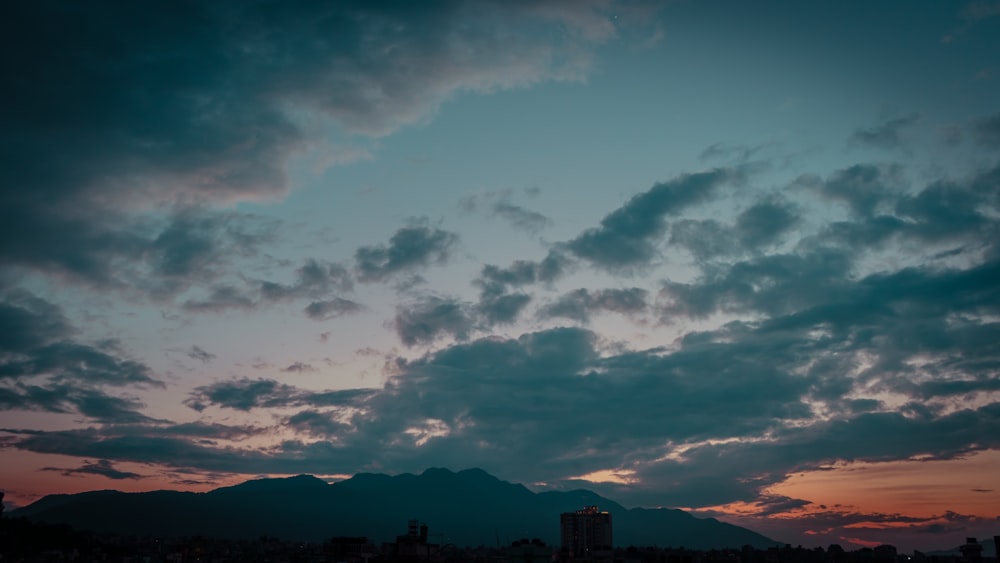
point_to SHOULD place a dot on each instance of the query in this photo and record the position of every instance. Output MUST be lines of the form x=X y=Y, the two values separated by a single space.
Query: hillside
x=470 y=507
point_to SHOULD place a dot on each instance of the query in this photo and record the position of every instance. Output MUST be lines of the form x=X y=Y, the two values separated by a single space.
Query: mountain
x=470 y=507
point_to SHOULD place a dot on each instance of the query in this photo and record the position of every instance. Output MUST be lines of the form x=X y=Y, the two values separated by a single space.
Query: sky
x=737 y=258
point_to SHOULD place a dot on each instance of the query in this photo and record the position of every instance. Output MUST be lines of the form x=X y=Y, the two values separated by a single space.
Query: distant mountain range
x=467 y=508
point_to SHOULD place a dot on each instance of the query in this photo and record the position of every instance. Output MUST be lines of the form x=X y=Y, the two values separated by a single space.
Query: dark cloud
x=730 y=384
x=321 y=277
x=864 y=405
x=125 y=110
x=705 y=239
x=756 y=228
x=108 y=409
x=102 y=467
x=222 y=298
x=426 y=321
x=943 y=210
x=43 y=368
x=772 y=284
x=627 y=236
x=523 y=219
x=242 y=394
x=987 y=131
x=498 y=204
x=333 y=308
x=555 y=386
x=298 y=367
x=316 y=423
x=71 y=361
x=887 y=134
x=820 y=354
x=497 y=305
x=314 y=280
x=738 y=154
x=501 y=308
x=152 y=256
x=431 y=318
x=28 y=322
x=410 y=247
x=337 y=398
x=93 y=403
x=864 y=187
x=984 y=383
x=110 y=443
x=580 y=304
x=897 y=325
x=707 y=402
x=763 y=223
x=957 y=212
x=496 y=280
x=769 y=504
x=198 y=353
x=842 y=439
x=895 y=321
x=195 y=244
x=246 y=394
x=706 y=475
x=195 y=430
x=161 y=446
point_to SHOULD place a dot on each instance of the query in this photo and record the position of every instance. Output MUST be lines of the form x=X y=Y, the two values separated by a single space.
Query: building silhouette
x=411 y=547
x=972 y=550
x=586 y=535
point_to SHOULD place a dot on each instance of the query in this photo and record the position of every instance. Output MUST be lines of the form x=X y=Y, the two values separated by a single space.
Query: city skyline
x=738 y=259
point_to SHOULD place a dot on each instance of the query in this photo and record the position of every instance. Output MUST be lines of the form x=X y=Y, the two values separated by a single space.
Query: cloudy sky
x=740 y=258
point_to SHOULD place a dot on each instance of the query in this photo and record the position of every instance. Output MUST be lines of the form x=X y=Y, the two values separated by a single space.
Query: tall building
x=972 y=550
x=586 y=534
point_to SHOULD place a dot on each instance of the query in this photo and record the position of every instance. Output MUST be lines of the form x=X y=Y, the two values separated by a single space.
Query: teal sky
x=690 y=254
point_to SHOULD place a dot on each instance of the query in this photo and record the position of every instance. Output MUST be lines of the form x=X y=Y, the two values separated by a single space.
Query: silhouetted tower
x=971 y=551
x=586 y=534
x=413 y=546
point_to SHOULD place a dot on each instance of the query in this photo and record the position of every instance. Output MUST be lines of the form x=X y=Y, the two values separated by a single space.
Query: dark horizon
x=438 y=483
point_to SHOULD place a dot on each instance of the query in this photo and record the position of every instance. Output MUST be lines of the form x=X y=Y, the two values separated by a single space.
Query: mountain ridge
x=470 y=507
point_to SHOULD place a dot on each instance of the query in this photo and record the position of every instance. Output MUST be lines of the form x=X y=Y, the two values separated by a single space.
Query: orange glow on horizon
x=887 y=525
x=29 y=476
x=868 y=504
x=863 y=542
x=969 y=485
x=621 y=477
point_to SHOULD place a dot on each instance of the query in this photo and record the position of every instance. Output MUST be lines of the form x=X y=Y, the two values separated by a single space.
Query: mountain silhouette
x=470 y=508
